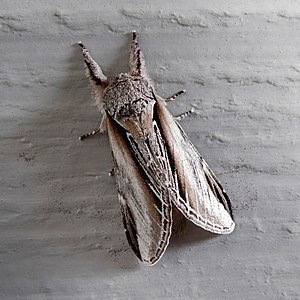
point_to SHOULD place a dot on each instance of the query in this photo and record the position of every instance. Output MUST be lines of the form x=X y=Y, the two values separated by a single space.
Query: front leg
x=102 y=128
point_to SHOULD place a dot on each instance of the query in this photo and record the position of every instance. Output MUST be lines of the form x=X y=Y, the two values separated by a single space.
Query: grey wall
x=60 y=225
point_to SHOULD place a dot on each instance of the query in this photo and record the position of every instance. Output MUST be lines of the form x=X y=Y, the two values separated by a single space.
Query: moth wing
x=147 y=219
x=201 y=197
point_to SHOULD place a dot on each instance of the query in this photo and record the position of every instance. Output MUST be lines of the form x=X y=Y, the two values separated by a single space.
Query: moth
x=159 y=173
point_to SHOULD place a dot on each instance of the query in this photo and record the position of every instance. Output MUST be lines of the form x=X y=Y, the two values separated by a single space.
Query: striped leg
x=100 y=129
x=173 y=97
x=182 y=116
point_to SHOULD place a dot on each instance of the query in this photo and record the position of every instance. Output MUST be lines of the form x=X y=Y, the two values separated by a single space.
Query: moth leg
x=100 y=129
x=93 y=70
x=112 y=172
x=182 y=116
x=173 y=97
x=136 y=58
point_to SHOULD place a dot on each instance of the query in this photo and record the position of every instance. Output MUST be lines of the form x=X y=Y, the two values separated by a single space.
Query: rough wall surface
x=60 y=225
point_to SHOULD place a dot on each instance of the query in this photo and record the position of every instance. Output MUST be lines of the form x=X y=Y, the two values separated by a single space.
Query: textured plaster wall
x=60 y=225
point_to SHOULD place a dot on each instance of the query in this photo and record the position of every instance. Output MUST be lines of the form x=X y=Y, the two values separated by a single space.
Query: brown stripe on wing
x=130 y=229
x=147 y=213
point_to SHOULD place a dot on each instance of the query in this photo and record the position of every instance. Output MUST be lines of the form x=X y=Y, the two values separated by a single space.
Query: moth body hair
x=162 y=180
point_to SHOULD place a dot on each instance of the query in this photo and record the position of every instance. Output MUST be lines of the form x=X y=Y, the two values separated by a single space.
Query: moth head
x=127 y=95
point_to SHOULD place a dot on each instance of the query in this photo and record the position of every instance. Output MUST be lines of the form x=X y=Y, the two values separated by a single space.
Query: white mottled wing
x=146 y=216
x=201 y=197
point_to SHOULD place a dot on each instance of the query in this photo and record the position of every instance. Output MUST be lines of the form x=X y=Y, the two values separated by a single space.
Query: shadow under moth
x=159 y=173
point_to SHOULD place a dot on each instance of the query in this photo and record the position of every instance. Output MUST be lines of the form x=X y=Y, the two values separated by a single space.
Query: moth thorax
x=127 y=96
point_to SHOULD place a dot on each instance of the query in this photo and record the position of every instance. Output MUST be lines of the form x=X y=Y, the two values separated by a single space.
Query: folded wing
x=201 y=197
x=146 y=212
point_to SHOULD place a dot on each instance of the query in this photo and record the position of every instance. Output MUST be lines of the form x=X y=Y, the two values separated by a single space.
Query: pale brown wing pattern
x=201 y=197
x=156 y=165
x=146 y=216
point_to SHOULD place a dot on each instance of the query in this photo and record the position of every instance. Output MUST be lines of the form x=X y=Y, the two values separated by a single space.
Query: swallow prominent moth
x=158 y=170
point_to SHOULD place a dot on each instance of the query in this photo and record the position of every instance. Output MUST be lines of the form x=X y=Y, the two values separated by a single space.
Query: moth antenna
x=136 y=60
x=98 y=81
x=94 y=71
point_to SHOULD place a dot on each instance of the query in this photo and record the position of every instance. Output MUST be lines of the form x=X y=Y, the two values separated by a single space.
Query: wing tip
x=229 y=229
x=224 y=230
x=152 y=262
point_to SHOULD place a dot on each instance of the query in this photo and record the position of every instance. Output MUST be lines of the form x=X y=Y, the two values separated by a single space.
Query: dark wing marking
x=146 y=212
x=130 y=228
x=201 y=197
